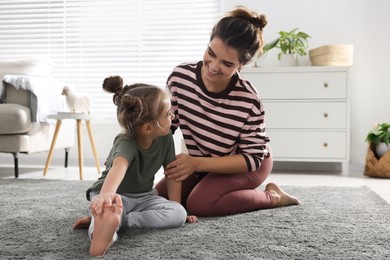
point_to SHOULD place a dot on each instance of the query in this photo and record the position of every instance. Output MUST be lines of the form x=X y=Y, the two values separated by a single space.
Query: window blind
x=88 y=40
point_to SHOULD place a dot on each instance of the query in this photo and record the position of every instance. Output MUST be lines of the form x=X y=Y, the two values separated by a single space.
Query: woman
x=222 y=121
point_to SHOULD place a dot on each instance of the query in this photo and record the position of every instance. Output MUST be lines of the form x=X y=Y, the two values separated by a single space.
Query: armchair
x=27 y=95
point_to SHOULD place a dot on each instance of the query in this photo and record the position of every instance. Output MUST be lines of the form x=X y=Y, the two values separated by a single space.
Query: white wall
x=363 y=23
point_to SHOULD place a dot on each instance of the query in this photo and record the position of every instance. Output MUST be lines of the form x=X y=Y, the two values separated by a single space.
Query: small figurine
x=77 y=102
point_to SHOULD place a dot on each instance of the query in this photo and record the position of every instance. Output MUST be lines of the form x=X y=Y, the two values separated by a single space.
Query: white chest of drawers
x=307 y=112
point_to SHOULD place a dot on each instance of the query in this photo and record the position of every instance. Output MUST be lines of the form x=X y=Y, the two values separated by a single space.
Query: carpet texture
x=332 y=223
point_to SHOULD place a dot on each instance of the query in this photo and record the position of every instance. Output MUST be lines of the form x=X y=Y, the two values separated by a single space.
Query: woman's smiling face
x=220 y=62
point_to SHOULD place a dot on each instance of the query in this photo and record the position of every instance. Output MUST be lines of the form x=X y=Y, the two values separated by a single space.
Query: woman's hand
x=104 y=201
x=182 y=167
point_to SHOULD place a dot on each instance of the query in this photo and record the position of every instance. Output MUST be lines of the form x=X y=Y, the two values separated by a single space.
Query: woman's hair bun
x=258 y=20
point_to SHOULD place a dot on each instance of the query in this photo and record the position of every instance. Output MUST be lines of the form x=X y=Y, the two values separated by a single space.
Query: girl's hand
x=105 y=200
x=192 y=219
x=181 y=168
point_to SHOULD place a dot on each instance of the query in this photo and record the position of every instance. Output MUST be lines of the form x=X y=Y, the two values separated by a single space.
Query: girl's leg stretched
x=103 y=229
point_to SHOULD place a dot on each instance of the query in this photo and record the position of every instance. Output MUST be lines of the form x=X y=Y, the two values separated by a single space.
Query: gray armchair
x=27 y=95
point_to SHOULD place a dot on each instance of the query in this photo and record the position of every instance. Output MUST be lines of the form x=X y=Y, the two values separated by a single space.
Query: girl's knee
x=179 y=215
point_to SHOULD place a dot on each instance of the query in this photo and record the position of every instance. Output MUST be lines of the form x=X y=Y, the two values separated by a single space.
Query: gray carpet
x=332 y=223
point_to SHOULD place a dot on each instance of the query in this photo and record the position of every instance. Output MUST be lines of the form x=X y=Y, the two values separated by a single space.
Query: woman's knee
x=201 y=207
x=195 y=209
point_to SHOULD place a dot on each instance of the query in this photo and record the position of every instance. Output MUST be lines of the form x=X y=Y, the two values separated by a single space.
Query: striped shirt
x=218 y=124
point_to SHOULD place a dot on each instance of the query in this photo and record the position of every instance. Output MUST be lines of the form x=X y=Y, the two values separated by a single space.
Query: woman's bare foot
x=105 y=226
x=280 y=198
x=82 y=223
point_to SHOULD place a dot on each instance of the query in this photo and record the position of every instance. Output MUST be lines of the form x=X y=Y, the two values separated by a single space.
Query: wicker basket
x=378 y=168
x=332 y=55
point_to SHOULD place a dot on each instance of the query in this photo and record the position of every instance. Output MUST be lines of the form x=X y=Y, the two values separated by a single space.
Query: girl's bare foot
x=280 y=198
x=82 y=223
x=104 y=230
x=191 y=219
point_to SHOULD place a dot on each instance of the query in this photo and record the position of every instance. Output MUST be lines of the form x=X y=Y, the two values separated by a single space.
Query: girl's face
x=220 y=62
x=165 y=119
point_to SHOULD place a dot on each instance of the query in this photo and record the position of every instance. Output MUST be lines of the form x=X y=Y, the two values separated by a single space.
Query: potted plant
x=291 y=44
x=379 y=138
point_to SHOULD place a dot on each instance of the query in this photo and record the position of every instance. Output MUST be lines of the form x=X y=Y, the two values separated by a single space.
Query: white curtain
x=88 y=40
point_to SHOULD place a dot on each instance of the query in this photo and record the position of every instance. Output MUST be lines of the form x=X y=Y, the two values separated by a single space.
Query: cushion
x=14 y=119
x=31 y=67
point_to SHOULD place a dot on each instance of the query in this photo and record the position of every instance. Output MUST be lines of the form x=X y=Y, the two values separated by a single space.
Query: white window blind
x=88 y=40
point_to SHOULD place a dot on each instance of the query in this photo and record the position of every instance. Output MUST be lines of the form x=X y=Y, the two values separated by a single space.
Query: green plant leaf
x=386 y=137
x=271 y=45
x=379 y=134
x=289 y=42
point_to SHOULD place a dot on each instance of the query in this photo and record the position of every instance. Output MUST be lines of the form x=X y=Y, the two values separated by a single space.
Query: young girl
x=124 y=194
x=223 y=124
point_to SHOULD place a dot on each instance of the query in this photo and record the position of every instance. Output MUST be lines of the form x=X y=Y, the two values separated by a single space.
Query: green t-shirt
x=143 y=164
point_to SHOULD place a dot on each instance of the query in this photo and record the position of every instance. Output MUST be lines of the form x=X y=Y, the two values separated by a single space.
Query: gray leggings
x=148 y=210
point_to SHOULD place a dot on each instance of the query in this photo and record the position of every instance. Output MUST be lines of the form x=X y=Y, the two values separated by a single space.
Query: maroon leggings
x=224 y=194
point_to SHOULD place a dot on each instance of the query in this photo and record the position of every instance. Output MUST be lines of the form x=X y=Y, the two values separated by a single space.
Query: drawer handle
x=325 y=145
x=325 y=85
x=326 y=115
